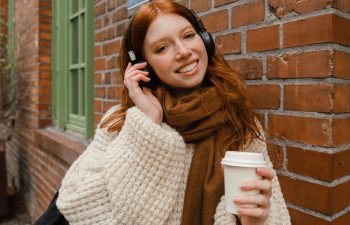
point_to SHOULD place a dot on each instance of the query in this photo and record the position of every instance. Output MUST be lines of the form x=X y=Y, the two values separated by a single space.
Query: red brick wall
x=295 y=56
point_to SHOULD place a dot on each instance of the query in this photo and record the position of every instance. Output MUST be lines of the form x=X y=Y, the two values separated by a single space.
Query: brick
x=112 y=93
x=307 y=130
x=340 y=197
x=305 y=194
x=111 y=4
x=106 y=18
x=251 y=13
x=301 y=218
x=111 y=32
x=100 y=92
x=111 y=63
x=265 y=96
x=284 y=7
x=276 y=155
x=200 y=5
x=229 y=43
x=341 y=131
x=263 y=39
x=100 y=64
x=216 y=21
x=342 y=220
x=121 y=2
x=107 y=105
x=339 y=25
x=341 y=98
x=106 y=78
x=97 y=78
x=97 y=51
x=100 y=9
x=341 y=65
x=97 y=106
x=320 y=29
x=310 y=98
x=121 y=29
x=98 y=23
x=250 y=68
x=315 y=30
x=342 y=5
x=120 y=14
x=97 y=119
x=112 y=47
x=306 y=64
x=310 y=163
x=341 y=164
x=222 y=2
x=100 y=36
x=327 y=200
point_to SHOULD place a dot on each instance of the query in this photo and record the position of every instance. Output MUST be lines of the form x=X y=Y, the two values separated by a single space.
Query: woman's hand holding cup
x=259 y=214
x=248 y=186
x=142 y=98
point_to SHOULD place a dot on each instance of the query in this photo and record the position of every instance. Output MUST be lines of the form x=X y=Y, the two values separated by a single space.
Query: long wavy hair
x=242 y=126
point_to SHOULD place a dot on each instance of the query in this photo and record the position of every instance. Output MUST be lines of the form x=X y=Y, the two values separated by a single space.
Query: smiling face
x=175 y=51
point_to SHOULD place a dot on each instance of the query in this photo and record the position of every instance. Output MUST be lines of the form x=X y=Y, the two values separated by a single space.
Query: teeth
x=188 y=68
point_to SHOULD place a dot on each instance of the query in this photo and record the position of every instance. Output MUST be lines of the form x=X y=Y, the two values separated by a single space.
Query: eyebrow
x=164 y=38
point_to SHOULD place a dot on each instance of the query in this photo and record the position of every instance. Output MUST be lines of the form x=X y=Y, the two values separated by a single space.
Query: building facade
x=294 y=55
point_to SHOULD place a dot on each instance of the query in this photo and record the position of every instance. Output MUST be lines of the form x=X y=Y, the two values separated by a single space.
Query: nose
x=182 y=52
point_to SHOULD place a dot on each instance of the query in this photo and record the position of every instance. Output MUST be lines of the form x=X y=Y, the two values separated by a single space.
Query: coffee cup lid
x=243 y=159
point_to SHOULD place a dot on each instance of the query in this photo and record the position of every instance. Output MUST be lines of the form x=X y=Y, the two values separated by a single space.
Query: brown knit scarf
x=197 y=117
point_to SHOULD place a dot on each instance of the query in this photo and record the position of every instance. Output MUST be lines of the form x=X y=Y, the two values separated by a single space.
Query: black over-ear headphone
x=199 y=27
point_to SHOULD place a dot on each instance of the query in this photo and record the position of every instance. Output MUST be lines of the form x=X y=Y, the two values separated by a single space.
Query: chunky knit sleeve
x=144 y=170
x=130 y=178
x=278 y=211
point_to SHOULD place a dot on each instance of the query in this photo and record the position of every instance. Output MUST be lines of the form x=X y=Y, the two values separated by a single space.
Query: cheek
x=161 y=64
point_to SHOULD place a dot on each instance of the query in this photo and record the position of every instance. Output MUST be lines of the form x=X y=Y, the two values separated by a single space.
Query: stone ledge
x=64 y=148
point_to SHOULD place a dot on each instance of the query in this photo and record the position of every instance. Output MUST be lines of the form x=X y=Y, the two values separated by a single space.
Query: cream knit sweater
x=139 y=177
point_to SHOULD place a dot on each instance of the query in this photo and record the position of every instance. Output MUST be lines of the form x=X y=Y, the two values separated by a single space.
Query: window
x=73 y=44
x=134 y=3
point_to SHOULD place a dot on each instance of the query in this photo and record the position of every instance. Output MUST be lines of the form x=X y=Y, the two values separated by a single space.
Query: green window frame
x=73 y=59
x=11 y=54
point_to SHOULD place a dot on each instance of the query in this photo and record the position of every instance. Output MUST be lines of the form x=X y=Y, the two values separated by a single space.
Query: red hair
x=230 y=85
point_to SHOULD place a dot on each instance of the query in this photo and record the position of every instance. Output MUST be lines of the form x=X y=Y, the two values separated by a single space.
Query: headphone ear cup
x=208 y=42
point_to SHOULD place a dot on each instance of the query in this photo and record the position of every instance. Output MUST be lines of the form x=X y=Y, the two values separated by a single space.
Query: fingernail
x=244 y=188
x=236 y=200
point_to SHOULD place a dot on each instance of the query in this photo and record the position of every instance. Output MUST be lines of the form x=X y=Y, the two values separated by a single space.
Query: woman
x=155 y=158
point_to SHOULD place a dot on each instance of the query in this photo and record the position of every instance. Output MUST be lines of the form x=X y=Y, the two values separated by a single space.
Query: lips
x=187 y=68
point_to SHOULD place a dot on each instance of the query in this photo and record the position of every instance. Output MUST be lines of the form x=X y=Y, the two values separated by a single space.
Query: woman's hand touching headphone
x=142 y=98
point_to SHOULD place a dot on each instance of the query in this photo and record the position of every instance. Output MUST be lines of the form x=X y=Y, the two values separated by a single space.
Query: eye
x=161 y=49
x=190 y=35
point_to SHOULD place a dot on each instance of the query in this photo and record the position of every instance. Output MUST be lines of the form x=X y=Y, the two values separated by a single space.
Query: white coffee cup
x=238 y=168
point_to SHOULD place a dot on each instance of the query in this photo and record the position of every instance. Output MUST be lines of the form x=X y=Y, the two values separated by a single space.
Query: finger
x=132 y=84
x=261 y=200
x=261 y=213
x=266 y=173
x=135 y=72
x=140 y=77
x=138 y=66
x=261 y=185
x=128 y=67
